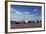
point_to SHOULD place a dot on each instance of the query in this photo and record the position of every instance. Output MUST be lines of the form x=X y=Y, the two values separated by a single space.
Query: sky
x=24 y=12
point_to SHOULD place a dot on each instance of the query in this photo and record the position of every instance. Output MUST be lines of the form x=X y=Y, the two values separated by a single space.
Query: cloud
x=35 y=10
x=32 y=17
x=15 y=11
x=26 y=12
x=19 y=17
x=18 y=12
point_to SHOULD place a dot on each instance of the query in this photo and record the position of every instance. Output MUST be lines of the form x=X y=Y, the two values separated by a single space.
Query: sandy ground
x=28 y=25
